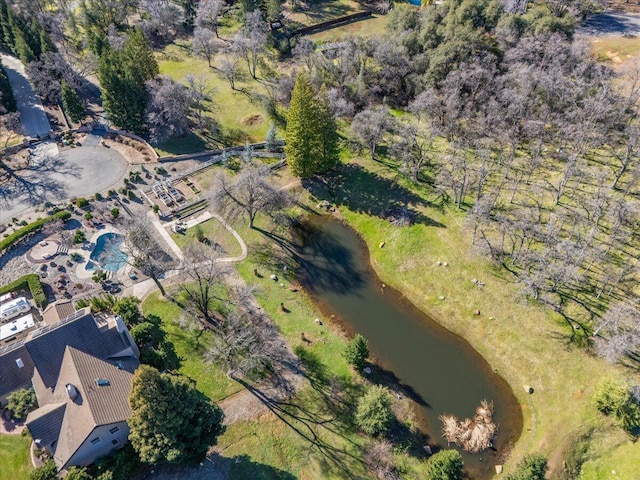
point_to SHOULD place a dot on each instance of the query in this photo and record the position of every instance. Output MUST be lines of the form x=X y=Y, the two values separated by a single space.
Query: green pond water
x=434 y=367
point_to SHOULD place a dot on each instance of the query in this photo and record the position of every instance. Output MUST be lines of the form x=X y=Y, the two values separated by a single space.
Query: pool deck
x=81 y=270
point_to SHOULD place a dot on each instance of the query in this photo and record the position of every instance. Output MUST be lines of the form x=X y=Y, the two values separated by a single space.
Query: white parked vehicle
x=14 y=308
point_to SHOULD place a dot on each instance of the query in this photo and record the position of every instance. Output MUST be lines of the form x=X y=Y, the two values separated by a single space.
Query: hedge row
x=32 y=282
x=31 y=228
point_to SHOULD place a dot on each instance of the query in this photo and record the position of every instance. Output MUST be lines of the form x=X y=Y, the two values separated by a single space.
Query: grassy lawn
x=623 y=460
x=323 y=11
x=190 y=143
x=617 y=50
x=14 y=457
x=215 y=232
x=210 y=380
x=366 y=27
x=238 y=112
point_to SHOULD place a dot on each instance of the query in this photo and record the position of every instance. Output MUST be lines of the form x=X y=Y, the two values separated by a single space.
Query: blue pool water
x=415 y=2
x=107 y=254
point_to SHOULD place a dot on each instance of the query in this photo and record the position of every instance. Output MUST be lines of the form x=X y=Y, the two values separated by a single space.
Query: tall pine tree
x=312 y=139
x=71 y=103
x=122 y=75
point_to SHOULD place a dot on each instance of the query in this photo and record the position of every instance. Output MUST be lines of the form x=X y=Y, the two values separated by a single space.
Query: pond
x=440 y=370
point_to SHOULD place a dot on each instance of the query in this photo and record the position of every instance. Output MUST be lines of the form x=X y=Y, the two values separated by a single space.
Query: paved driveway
x=610 y=23
x=34 y=119
x=79 y=172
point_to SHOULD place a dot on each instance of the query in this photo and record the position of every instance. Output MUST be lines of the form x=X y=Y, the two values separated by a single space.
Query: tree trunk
x=159 y=285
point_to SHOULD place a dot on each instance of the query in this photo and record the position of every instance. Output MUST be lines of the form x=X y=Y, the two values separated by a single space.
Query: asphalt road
x=610 y=23
x=34 y=119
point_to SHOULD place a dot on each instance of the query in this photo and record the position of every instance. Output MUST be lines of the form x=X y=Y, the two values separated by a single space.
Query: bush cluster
x=30 y=281
x=31 y=228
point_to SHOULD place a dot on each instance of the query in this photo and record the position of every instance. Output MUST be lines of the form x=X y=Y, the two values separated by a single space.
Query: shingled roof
x=12 y=375
x=45 y=422
x=94 y=405
x=47 y=350
x=96 y=362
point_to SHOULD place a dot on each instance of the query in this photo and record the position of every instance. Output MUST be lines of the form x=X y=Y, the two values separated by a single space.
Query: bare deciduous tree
x=230 y=69
x=238 y=347
x=163 y=20
x=618 y=334
x=168 y=108
x=205 y=277
x=251 y=42
x=201 y=96
x=370 y=126
x=248 y=193
x=207 y=14
x=205 y=44
x=144 y=251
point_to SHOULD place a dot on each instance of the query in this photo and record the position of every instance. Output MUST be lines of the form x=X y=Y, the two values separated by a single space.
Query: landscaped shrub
x=374 y=414
x=97 y=197
x=31 y=228
x=115 y=212
x=31 y=282
x=76 y=257
x=82 y=202
x=616 y=397
x=79 y=236
x=88 y=216
x=21 y=402
x=39 y=298
x=532 y=467
x=47 y=471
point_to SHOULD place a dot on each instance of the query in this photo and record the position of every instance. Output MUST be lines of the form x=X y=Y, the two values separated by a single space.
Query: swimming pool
x=107 y=255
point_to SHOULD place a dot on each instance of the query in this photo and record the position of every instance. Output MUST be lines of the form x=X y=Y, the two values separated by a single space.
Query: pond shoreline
x=480 y=466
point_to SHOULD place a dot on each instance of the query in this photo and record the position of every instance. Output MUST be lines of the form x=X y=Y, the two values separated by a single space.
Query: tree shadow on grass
x=363 y=191
x=323 y=10
x=243 y=467
x=338 y=395
x=317 y=256
x=313 y=426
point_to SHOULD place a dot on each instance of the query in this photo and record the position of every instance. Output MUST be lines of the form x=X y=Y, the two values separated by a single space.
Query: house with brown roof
x=56 y=311
x=81 y=370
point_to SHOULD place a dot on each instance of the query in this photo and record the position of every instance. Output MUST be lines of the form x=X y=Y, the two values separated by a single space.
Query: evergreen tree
x=21 y=47
x=170 y=420
x=532 y=467
x=6 y=32
x=312 y=142
x=71 y=103
x=7 y=100
x=357 y=351
x=122 y=75
x=271 y=140
x=328 y=135
x=445 y=465
x=374 y=414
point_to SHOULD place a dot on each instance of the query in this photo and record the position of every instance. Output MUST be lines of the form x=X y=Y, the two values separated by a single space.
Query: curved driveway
x=32 y=115
x=92 y=169
x=78 y=172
